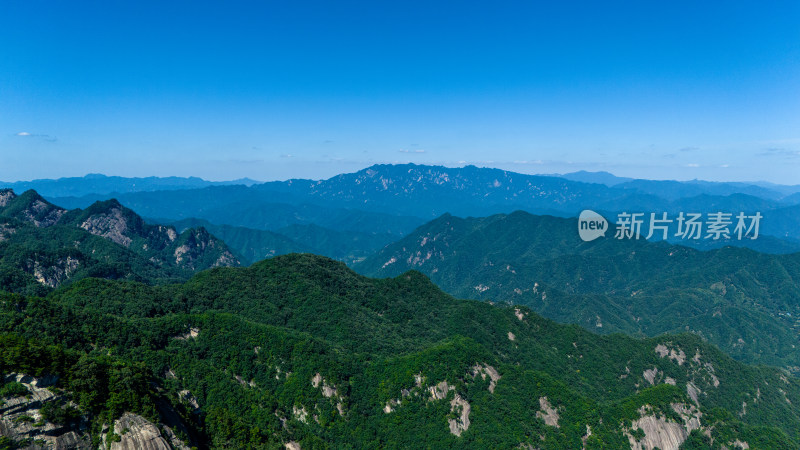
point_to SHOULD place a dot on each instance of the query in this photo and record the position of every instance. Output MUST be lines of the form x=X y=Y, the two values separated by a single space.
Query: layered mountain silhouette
x=395 y=199
x=101 y=184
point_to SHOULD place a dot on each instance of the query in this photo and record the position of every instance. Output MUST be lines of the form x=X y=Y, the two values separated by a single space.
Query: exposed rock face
x=187 y=397
x=111 y=225
x=15 y=410
x=484 y=371
x=243 y=382
x=459 y=406
x=328 y=391
x=659 y=432
x=650 y=375
x=316 y=380
x=43 y=214
x=180 y=252
x=547 y=413
x=137 y=433
x=191 y=334
x=300 y=414
x=21 y=419
x=226 y=259
x=676 y=355
x=461 y=423
x=439 y=392
x=30 y=207
x=176 y=443
x=53 y=273
x=194 y=249
x=160 y=251
x=197 y=244
x=390 y=404
x=692 y=391
x=6 y=195
x=586 y=436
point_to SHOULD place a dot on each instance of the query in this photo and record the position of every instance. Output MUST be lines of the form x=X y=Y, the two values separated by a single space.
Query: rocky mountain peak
x=30 y=207
x=111 y=220
x=6 y=195
x=68 y=248
x=196 y=248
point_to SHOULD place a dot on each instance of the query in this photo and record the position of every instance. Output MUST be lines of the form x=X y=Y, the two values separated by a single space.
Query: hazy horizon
x=256 y=180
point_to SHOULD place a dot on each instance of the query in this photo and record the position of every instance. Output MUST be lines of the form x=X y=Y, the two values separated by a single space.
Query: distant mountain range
x=112 y=185
x=584 y=176
x=394 y=199
x=105 y=185
x=684 y=188
x=251 y=208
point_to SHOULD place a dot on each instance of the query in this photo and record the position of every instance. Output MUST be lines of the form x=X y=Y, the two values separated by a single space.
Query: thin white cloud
x=412 y=151
x=692 y=165
x=785 y=152
x=46 y=137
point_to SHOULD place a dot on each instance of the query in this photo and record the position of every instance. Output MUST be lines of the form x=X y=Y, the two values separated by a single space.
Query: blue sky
x=274 y=90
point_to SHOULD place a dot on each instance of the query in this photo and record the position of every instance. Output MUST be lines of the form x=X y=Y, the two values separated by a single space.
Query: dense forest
x=743 y=301
x=300 y=350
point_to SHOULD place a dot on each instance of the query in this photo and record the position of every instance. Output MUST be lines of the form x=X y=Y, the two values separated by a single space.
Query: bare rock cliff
x=21 y=419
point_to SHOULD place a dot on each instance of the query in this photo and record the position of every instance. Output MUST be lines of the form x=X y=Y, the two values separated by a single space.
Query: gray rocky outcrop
x=22 y=422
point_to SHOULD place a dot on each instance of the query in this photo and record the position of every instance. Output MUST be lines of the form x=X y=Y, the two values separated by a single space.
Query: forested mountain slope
x=298 y=350
x=253 y=245
x=747 y=303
